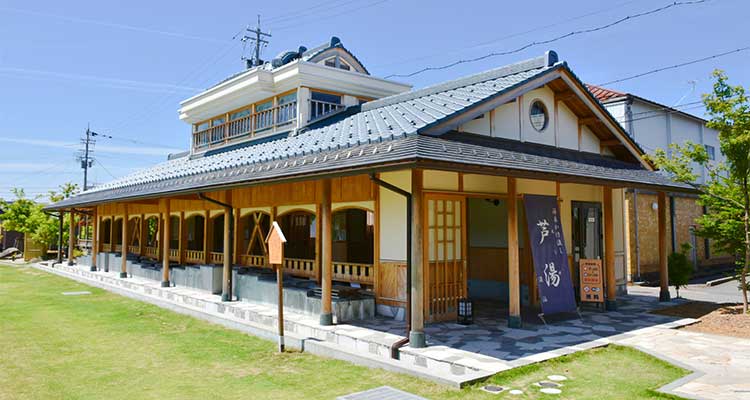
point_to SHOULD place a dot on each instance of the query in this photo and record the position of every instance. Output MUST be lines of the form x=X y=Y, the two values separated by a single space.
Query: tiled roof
x=604 y=94
x=383 y=131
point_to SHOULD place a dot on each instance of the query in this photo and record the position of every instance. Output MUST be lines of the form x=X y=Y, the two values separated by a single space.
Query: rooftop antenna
x=256 y=36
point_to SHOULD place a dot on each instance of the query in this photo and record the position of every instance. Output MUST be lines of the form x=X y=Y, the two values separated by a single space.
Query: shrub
x=680 y=268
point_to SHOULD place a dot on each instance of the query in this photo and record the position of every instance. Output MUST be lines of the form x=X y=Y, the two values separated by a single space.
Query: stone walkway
x=489 y=334
x=721 y=363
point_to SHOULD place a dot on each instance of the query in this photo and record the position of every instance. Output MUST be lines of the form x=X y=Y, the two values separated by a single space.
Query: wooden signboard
x=275 y=242
x=592 y=280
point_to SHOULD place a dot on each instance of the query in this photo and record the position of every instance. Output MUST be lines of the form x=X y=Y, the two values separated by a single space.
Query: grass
x=107 y=346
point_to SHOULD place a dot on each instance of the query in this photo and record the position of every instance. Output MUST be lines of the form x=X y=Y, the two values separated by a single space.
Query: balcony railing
x=300 y=267
x=274 y=118
x=133 y=249
x=151 y=251
x=252 y=260
x=319 y=109
x=216 y=257
x=194 y=256
x=354 y=272
x=174 y=255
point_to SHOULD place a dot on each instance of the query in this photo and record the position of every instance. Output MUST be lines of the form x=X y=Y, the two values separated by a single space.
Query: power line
x=653 y=71
x=318 y=19
x=547 y=41
x=307 y=11
x=105 y=169
x=510 y=35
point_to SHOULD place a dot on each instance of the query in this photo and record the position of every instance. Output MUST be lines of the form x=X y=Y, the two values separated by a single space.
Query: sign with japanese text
x=549 y=254
x=592 y=282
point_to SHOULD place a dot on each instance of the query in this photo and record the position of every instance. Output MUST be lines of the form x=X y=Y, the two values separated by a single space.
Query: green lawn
x=104 y=346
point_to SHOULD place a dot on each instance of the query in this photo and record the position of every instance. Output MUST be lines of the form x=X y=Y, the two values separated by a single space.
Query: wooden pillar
x=416 y=335
x=95 y=240
x=142 y=235
x=236 y=238
x=71 y=237
x=124 y=245
x=226 y=287
x=609 y=250
x=326 y=317
x=209 y=232
x=111 y=235
x=514 y=274
x=318 y=242
x=182 y=240
x=663 y=272
x=165 y=243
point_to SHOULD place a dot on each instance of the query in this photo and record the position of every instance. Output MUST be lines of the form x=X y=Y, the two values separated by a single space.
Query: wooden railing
x=252 y=260
x=134 y=249
x=151 y=251
x=353 y=272
x=194 y=256
x=174 y=255
x=216 y=257
x=117 y=248
x=300 y=267
x=250 y=125
x=319 y=109
x=106 y=247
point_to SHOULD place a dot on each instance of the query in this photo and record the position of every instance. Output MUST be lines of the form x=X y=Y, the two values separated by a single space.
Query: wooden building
x=347 y=164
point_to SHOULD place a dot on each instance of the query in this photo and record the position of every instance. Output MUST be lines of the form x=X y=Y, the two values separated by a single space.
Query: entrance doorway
x=587 y=237
x=445 y=248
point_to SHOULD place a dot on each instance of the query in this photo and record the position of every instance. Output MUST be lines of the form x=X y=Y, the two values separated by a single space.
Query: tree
x=680 y=270
x=726 y=192
x=27 y=216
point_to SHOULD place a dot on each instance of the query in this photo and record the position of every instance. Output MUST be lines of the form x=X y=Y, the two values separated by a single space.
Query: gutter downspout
x=397 y=345
x=631 y=132
x=229 y=214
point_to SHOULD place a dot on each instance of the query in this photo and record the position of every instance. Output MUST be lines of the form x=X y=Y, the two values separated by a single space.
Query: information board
x=592 y=282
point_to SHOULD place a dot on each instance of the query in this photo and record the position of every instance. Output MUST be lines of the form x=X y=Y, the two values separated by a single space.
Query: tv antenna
x=257 y=38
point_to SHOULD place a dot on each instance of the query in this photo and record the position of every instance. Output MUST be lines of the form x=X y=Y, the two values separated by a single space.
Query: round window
x=538 y=115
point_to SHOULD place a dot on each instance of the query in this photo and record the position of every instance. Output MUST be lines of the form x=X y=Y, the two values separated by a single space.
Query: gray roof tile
x=385 y=130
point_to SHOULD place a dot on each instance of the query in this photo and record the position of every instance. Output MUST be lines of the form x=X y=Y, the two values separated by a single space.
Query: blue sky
x=123 y=68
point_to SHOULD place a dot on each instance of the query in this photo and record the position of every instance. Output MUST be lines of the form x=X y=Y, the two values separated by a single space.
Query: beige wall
x=393 y=216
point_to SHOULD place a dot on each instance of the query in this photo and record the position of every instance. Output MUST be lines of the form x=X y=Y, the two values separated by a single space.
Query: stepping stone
x=557 y=378
x=515 y=392
x=81 y=293
x=494 y=389
x=381 y=393
x=551 y=391
x=546 y=384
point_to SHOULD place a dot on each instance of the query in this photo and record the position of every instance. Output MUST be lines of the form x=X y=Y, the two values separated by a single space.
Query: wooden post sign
x=275 y=243
x=592 y=284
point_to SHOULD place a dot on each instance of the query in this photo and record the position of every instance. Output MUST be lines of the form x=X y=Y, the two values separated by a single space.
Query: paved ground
x=725 y=293
x=489 y=334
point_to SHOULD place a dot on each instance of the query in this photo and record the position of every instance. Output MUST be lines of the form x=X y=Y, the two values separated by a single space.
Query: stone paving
x=489 y=334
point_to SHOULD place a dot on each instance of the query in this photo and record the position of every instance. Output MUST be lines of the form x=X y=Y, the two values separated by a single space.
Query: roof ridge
x=510 y=69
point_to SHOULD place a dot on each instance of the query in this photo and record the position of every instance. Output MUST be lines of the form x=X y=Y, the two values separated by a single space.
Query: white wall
x=393 y=216
x=511 y=122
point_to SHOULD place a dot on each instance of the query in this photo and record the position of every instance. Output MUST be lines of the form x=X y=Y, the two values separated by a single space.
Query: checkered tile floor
x=490 y=335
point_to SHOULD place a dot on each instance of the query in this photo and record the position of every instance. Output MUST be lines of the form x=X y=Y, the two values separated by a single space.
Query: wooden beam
x=417 y=337
x=609 y=250
x=326 y=317
x=514 y=275
x=610 y=143
x=588 y=121
x=663 y=271
x=165 y=217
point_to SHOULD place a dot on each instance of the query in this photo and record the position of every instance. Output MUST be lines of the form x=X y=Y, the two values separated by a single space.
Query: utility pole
x=86 y=162
x=257 y=37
